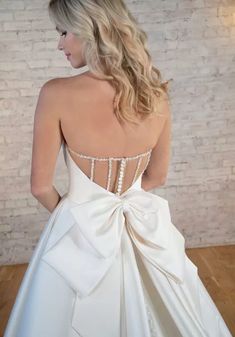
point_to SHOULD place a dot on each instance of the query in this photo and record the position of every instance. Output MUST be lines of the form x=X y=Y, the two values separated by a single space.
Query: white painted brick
x=3 y=85
x=191 y=4
x=5 y=16
x=16 y=25
x=5 y=228
x=24 y=211
x=28 y=93
x=9 y=203
x=9 y=94
x=13 y=4
x=205 y=13
x=45 y=45
x=19 y=49
x=8 y=66
x=36 y=4
x=8 y=36
x=226 y=11
x=42 y=25
x=31 y=35
x=13 y=84
x=38 y=64
x=21 y=203
x=17 y=235
x=140 y=6
x=24 y=172
x=32 y=202
x=26 y=15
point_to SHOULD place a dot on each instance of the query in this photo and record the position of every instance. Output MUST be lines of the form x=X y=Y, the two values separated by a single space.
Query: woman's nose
x=60 y=44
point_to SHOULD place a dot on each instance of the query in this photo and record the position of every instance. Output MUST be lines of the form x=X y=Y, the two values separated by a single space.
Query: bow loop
x=94 y=240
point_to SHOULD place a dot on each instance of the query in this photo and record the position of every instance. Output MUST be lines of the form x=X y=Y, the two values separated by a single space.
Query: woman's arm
x=156 y=172
x=47 y=139
x=148 y=184
x=48 y=198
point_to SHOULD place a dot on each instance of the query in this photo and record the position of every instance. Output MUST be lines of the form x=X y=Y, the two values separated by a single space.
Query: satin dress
x=112 y=265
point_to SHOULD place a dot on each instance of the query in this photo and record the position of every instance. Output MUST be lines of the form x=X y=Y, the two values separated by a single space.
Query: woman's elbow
x=151 y=183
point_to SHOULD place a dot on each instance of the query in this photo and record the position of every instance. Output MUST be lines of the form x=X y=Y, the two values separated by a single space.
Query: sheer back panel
x=116 y=174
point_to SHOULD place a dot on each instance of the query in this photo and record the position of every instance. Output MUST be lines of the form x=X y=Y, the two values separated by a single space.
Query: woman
x=109 y=262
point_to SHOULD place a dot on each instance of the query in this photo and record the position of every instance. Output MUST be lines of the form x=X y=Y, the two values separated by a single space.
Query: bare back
x=91 y=131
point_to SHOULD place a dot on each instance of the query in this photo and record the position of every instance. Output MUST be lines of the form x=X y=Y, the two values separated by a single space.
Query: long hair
x=115 y=49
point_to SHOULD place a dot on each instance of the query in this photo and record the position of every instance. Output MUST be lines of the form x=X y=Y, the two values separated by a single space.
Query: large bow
x=84 y=255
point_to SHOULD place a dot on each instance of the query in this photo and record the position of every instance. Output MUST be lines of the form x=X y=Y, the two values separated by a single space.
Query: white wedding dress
x=112 y=265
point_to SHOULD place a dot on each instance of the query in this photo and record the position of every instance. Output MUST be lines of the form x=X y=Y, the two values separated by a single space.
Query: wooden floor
x=216 y=268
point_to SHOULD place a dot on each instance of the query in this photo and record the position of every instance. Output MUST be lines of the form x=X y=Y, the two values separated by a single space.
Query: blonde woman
x=109 y=262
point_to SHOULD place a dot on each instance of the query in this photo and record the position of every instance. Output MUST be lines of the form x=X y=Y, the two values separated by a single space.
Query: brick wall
x=191 y=41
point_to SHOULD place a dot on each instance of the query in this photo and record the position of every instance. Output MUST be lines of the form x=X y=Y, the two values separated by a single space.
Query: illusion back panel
x=115 y=174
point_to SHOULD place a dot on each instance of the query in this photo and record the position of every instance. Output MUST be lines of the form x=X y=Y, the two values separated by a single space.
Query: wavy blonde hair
x=115 y=50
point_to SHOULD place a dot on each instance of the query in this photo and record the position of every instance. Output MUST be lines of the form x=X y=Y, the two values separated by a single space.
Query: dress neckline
x=82 y=155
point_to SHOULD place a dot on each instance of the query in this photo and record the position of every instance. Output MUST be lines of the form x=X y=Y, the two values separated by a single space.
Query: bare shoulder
x=52 y=95
x=67 y=85
x=53 y=86
x=59 y=85
x=51 y=90
x=56 y=93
